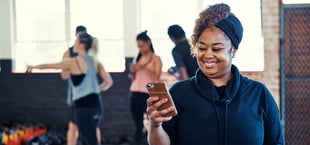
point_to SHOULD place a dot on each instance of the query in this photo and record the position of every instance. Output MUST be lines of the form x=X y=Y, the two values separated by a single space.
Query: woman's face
x=144 y=46
x=214 y=53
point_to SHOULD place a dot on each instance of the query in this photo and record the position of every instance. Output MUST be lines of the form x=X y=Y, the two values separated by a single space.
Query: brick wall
x=271 y=33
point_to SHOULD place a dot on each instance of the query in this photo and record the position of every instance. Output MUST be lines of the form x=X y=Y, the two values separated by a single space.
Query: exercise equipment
x=4 y=137
x=49 y=138
x=29 y=134
x=13 y=138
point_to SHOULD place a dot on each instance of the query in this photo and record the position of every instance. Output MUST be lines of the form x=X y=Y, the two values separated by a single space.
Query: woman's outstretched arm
x=64 y=64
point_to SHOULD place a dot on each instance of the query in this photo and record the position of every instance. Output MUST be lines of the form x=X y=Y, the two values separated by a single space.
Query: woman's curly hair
x=208 y=18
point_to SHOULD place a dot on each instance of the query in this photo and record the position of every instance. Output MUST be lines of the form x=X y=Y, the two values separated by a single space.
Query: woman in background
x=146 y=68
x=72 y=133
x=85 y=88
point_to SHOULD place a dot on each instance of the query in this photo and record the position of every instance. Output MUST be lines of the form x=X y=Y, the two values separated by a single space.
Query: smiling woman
x=214 y=54
x=219 y=105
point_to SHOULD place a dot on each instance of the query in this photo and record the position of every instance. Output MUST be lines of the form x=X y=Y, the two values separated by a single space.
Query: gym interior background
x=35 y=33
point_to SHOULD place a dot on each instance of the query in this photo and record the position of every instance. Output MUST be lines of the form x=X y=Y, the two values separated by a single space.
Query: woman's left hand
x=104 y=87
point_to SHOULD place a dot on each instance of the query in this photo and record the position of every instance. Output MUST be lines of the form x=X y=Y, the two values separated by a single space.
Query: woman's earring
x=233 y=56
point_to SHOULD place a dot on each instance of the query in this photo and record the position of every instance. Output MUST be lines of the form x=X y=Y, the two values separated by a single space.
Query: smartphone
x=159 y=89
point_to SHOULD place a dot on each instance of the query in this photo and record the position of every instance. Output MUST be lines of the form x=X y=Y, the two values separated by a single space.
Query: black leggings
x=87 y=119
x=138 y=108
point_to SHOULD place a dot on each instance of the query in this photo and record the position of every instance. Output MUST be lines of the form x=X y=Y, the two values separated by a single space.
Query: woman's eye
x=216 y=49
x=202 y=48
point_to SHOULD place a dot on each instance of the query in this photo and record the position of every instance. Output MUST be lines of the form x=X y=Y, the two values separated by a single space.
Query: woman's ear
x=233 y=53
x=193 y=51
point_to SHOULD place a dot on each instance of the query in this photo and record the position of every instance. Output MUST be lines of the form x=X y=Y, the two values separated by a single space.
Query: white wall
x=131 y=26
x=6 y=29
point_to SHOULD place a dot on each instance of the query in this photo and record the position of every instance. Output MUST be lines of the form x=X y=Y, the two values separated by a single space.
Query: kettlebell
x=13 y=138
x=29 y=133
x=5 y=137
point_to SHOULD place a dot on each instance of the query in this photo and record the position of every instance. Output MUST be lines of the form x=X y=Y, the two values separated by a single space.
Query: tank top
x=89 y=84
x=142 y=78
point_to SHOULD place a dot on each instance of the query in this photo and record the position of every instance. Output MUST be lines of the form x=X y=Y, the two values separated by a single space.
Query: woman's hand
x=65 y=74
x=156 y=117
x=135 y=67
x=105 y=86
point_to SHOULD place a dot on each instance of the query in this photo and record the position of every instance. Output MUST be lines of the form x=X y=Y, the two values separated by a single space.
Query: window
x=156 y=16
x=40 y=32
x=296 y=1
x=104 y=20
x=45 y=30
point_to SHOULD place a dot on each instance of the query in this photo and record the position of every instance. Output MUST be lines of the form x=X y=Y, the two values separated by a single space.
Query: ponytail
x=94 y=48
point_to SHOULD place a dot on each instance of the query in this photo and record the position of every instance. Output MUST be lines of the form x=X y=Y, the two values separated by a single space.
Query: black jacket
x=246 y=115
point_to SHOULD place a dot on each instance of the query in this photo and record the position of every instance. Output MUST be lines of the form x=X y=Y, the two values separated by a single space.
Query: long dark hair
x=144 y=37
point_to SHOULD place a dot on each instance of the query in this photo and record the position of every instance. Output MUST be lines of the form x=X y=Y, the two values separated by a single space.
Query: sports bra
x=77 y=79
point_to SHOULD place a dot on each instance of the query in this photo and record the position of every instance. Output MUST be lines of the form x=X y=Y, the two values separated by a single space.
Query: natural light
x=45 y=29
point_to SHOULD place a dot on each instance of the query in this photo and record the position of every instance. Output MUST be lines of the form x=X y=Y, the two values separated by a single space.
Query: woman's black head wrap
x=232 y=27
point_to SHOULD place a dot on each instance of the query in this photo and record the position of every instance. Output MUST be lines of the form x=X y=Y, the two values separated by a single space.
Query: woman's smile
x=210 y=64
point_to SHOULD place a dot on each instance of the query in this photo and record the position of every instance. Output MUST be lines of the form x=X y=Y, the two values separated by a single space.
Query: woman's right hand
x=157 y=117
x=65 y=74
x=135 y=67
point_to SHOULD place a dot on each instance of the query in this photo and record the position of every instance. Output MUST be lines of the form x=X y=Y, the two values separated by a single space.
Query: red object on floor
x=13 y=139
x=29 y=134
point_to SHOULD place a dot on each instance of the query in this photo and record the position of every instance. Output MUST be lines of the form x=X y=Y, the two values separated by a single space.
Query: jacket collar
x=206 y=89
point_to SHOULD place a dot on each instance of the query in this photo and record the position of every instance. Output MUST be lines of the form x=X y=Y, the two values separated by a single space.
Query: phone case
x=159 y=89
